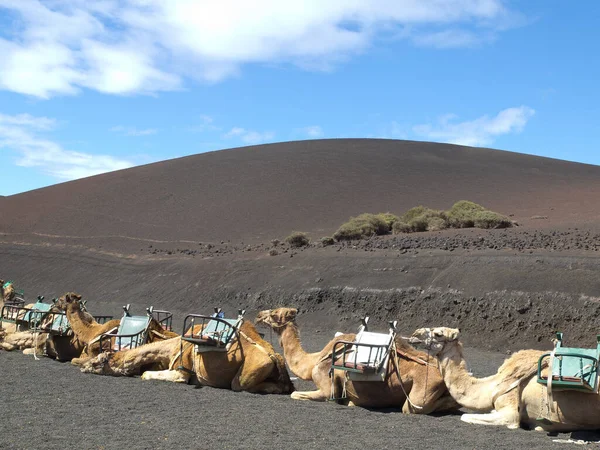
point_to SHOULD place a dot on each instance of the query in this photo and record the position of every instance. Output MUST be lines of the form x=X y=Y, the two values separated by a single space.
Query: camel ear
x=293 y=313
x=77 y=296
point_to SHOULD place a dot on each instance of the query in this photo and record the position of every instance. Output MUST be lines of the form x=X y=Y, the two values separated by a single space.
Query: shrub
x=421 y=218
x=389 y=218
x=362 y=226
x=327 y=240
x=273 y=252
x=413 y=213
x=401 y=227
x=297 y=239
x=491 y=219
x=462 y=214
x=275 y=242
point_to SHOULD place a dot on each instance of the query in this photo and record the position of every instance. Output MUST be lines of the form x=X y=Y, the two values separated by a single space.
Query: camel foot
x=494 y=418
x=315 y=396
x=173 y=376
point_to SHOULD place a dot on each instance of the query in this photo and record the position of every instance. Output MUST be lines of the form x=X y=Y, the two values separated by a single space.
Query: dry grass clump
x=421 y=218
x=327 y=241
x=463 y=214
x=363 y=226
x=297 y=239
x=491 y=219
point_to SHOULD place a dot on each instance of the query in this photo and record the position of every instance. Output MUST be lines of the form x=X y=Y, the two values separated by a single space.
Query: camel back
x=211 y=333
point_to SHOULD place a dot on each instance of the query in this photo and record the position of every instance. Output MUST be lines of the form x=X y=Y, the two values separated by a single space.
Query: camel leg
x=174 y=376
x=17 y=341
x=320 y=375
x=252 y=374
x=505 y=417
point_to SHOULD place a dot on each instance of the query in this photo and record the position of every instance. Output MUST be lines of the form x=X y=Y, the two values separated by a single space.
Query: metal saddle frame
x=24 y=318
x=572 y=368
x=364 y=359
x=131 y=333
x=211 y=333
x=164 y=318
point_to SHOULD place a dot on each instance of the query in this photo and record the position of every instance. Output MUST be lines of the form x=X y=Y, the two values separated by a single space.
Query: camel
x=7 y=291
x=59 y=347
x=410 y=376
x=250 y=364
x=512 y=397
x=88 y=334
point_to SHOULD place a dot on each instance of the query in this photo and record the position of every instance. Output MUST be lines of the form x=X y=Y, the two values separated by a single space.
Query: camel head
x=276 y=318
x=434 y=339
x=69 y=299
x=99 y=365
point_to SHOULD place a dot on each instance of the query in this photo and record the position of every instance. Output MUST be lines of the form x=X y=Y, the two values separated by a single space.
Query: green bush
x=491 y=219
x=297 y=239
x=462 y=214
x=389 y=218
x=362 y=226
x=401 y=227
x=413 y=213
x=420 y=219
x=327 y=240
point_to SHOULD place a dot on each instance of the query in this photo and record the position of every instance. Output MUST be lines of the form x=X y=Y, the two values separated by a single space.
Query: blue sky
x=93 y=86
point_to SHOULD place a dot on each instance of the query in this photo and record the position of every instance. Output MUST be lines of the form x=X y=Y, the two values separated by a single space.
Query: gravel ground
x=51 y=405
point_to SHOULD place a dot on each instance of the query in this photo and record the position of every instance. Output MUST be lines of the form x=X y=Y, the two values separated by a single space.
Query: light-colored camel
x=250 y=364
x=7 y=292
x=88 y=333
x=512 y=396
x=410 y=372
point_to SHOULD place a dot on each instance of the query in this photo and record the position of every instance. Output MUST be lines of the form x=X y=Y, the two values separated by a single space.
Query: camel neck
x=78 y=324
x=299 y=362
x=468 y=391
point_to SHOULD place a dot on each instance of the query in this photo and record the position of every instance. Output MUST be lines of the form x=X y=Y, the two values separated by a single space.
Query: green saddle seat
x=572 y=368
x=216 y=333
x=37 y=312
x=132 y=332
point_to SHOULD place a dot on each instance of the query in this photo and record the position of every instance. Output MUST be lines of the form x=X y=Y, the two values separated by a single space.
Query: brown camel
x=7 y=291
x=88 y=334
x=410 y=372
x=33 y=342
x=512 y=396
x=250 y=364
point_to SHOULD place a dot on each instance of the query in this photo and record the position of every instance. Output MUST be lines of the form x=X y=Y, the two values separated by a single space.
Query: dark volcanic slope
x=263 y=192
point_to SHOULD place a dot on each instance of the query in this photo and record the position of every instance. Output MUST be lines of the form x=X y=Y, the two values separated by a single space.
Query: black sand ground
x=51 y=405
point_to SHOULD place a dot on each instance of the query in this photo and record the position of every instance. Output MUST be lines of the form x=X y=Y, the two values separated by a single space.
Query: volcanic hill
x=191 y=233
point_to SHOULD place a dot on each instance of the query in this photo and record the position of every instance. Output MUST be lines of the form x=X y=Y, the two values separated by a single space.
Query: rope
x=397 y=369
x=36 y=333
x=550 y=379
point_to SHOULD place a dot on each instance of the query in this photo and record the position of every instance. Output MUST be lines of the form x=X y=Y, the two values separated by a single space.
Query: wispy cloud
x=481 y=131
x=249 y=136
x=124 y=47
x=314 y=131
x=22 y=134
x=132 y=131
x=206 y=123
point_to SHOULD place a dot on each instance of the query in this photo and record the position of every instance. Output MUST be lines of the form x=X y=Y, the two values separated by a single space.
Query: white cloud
x=21 y=134
x=478 y=132
x=56 y=47
x=132 y=131
x=314 y=131
x=249 y=136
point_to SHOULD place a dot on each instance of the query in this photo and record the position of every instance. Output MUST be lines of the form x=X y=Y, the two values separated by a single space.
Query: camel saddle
x=571 y=368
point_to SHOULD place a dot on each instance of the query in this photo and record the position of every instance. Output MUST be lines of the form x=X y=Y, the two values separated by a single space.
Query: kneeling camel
x=412 y=380
x=250 y=364
x=512 y=396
